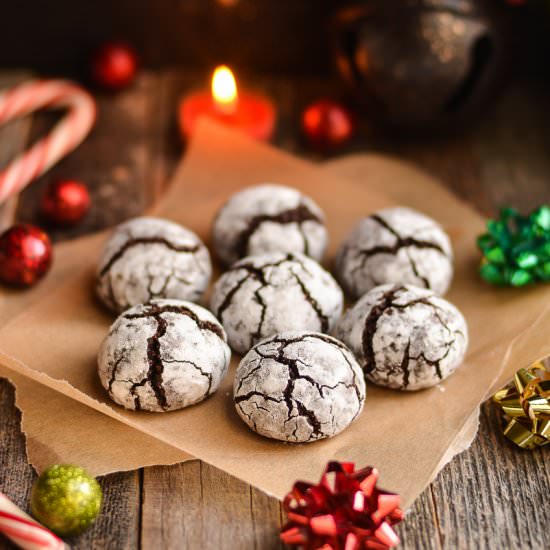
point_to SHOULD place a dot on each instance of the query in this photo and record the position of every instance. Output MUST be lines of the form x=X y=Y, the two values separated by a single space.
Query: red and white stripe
x=64 y=137
x=24 y=531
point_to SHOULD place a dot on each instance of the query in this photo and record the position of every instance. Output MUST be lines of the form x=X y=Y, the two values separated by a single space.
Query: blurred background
x=390 y=53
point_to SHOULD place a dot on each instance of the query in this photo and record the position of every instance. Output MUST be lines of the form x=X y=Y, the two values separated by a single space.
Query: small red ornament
x=327 y=124
x=25 y=255
x=114 y=65
x=65 y=202
x=345 y=511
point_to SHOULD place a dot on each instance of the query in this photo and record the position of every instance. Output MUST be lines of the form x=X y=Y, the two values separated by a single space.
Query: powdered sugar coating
x=148 y=258
x=405 y=337
x=269 y=218
x=299 y=387
x=263 y=295
x=163 y=356
x=395 y=245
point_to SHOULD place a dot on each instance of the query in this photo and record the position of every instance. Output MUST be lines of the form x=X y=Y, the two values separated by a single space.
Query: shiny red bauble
x=25 y=255
x=65 y=202
x=114 y=65
x=327 y=124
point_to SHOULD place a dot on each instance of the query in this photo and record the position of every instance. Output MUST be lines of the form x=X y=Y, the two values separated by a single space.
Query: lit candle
x=252 y=113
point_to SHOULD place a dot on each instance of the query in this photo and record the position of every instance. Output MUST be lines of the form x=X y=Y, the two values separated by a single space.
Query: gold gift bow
x=526 y=404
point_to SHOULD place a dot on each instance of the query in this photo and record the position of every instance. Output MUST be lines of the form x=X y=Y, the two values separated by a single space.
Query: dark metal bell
x=422 y=64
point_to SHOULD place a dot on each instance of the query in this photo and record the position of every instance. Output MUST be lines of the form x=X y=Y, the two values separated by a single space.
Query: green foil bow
x=526 y=404
x=516 y=248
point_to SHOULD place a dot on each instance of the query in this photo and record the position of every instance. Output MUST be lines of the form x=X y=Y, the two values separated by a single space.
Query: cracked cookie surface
x=405 y=337
x=163 y=356
x=148 y=258
x=262 y=295
x=269 y=218
x=299 y=387
x=395 y=245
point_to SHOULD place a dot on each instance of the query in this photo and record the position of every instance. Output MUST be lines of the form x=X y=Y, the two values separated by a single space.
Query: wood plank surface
x=491 y=496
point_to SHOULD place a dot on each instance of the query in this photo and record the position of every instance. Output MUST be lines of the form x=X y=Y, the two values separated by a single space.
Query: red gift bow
x=345 y=511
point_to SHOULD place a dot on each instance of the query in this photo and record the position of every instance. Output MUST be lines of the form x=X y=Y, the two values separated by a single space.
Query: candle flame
x=224 y=89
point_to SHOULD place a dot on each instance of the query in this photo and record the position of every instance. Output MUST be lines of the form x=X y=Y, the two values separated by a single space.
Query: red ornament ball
x=25 y=255
x=327 y=124
x=114 y=65
x=65 y=202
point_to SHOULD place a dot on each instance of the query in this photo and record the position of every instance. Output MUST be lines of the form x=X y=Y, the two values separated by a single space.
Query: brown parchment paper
x=52 y=422
x=59 y=429
x=55 y=341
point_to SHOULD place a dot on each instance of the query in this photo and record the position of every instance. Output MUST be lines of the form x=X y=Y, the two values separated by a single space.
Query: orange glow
x=224 y=90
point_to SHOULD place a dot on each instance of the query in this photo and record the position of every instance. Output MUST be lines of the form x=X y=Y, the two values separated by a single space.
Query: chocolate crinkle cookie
x=269 y=218
x=395 y=245
x=263 y=295
x=149 y=258
x=405 y=337
x=163 y=356
x=299 y=387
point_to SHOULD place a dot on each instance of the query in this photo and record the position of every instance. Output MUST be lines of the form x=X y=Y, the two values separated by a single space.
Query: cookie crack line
x=256 y=272
x=162 y=291
x=304 y=239
x=206 y=374
x=154 y=310
x=295 y=407
x=156 y=366
x=323 y=319
x=297 y=215
x=405 y=365
x=294 y=374
x=257 y=335
x=385 y=303
x=321 y=387
x=255 y=393
x=114 y=372
x=314 y=335
x=154 y=356
x=416 y=273
x=401 y=242
x=436 y=363
x=248 y=375
x=146 y=240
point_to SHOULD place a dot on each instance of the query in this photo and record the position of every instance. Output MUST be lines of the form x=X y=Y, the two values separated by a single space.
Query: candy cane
x=21 y=529
x=64 y=137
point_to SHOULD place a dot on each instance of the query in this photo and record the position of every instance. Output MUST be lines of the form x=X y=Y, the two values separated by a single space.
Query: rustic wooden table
x=491 y=496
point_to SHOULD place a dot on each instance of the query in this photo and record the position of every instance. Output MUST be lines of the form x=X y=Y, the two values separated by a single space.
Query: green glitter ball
x=516 y=248
x=66 y=499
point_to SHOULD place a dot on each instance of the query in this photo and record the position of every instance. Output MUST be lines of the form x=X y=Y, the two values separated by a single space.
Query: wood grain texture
x=206 y=508
x=118 y=525
x=16 y=476
x=494 y=492
x=492 y=496
x=172 y=506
